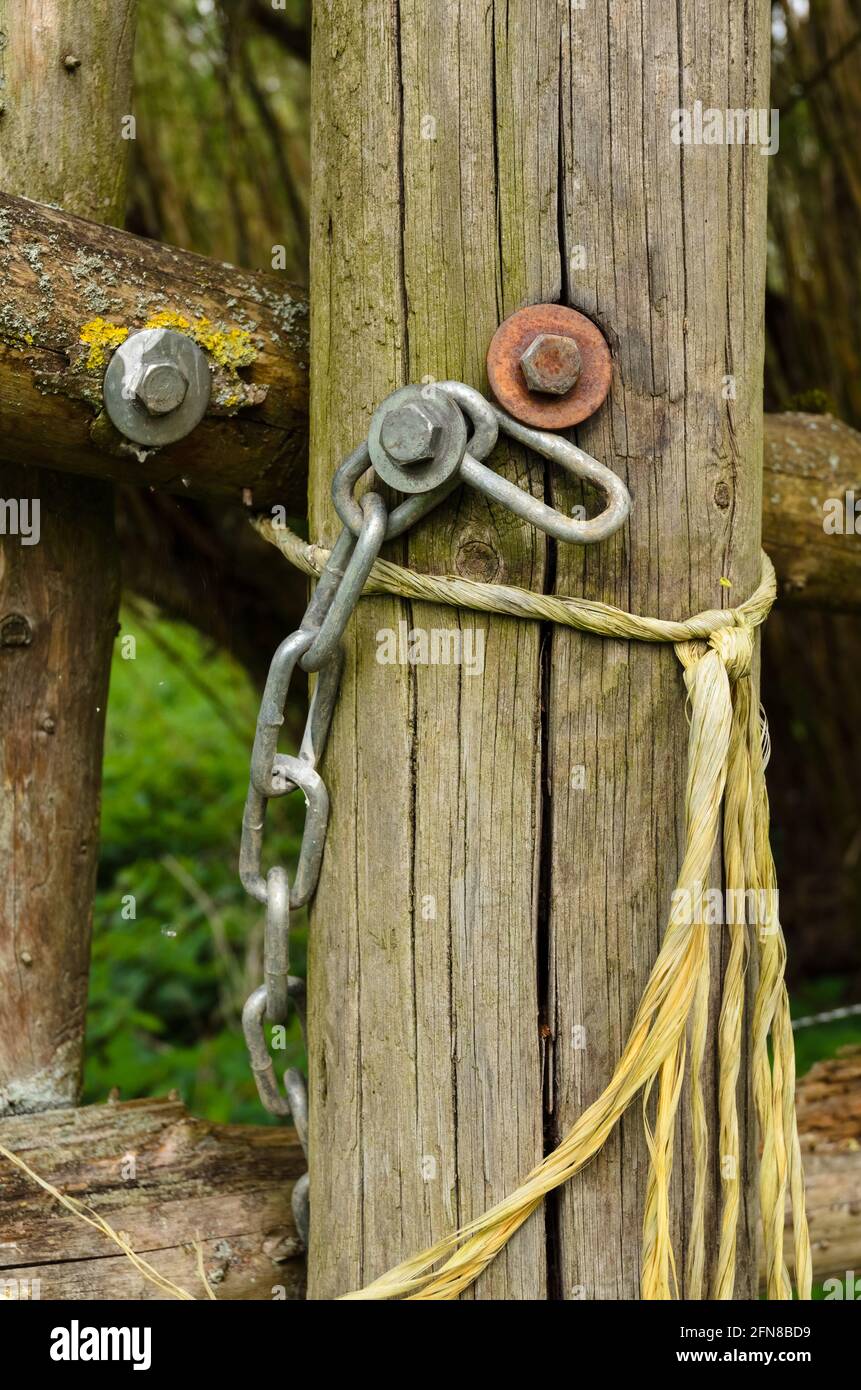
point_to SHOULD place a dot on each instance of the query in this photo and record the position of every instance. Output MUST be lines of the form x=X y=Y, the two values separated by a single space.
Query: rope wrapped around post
x=727 y=756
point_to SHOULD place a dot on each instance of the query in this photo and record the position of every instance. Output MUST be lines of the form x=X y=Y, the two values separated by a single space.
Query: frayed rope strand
x=91 y=1218
x=725 y=792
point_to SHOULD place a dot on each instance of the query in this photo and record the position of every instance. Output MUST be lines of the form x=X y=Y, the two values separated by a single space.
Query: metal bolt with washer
x=417 y=439
x=157 y=386
x=410 y=435
x=162 y=388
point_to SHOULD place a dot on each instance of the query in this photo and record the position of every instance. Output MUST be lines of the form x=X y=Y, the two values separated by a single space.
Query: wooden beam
x=832 y=1183
x=60 y=141
x=828 y=1102
x=684 y=309
x=64 y=277
x=810 y=459
x=60 y=272
x=424 y=1050
x=165 y=1179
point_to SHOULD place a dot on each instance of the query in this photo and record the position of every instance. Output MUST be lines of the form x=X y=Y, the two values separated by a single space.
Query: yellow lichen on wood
x=229 y=347
x=102 y=338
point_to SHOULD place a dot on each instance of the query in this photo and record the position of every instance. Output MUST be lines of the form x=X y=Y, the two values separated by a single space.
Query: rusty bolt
x=519 y=337
x=162 y=388
x=551 y=364
x=409 y=435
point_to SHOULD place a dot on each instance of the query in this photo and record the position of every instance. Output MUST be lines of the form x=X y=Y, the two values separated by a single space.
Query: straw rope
x=727 y=754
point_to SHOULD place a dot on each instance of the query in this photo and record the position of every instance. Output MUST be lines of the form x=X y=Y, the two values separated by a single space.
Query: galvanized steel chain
x=423 y=441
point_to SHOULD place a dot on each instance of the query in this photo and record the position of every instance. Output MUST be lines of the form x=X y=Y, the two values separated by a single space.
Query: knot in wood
x=15 y=630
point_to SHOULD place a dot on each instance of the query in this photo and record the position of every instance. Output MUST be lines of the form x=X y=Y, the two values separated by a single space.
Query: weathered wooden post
x=503 y=849
x=66 y=86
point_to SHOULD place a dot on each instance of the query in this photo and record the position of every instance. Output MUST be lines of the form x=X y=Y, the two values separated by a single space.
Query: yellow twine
x=727 y=754
x=92 y=1218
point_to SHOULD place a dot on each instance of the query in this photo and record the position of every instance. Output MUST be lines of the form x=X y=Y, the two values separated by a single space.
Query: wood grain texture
x=461 y=157
x=665 y=248
x=62 y=124
x=60 y=272
x=165 y=1179
x=425 y=1105
x=828 y=1103
x=60 y=142
x=58 y=607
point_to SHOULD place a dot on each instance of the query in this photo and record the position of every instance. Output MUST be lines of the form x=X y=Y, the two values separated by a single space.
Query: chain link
x=445 y=430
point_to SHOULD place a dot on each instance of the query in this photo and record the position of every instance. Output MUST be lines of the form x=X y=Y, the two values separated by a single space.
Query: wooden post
x=496 y=884
x=66 y=72
x=673 y=264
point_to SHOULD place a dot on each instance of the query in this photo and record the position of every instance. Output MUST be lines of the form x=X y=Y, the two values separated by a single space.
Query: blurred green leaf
x=176 y=941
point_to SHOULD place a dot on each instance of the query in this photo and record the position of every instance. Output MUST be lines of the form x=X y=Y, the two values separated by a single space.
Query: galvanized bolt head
x=416 y=439
x=162 y=388
x=157 y=387
x=551 y=364
x=410 y=435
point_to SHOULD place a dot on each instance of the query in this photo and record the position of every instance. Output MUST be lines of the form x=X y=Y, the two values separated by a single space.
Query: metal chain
x=423 y=441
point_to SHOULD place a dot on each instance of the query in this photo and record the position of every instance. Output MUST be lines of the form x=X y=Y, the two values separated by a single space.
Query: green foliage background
x=168 y=984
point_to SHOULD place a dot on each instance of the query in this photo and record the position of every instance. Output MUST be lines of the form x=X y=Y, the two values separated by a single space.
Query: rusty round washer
x=508 y=383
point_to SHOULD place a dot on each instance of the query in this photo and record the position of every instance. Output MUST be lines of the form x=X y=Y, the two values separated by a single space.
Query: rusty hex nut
x=551 y=364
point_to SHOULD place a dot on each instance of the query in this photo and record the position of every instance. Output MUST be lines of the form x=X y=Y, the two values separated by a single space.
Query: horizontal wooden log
x=65 y=280
x=61 y=275
x=828 y=1101
x=833 y=1186
x=165 y=1180
x=810 y=459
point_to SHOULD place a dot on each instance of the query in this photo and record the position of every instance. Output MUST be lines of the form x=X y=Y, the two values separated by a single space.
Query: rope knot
x=734 y=646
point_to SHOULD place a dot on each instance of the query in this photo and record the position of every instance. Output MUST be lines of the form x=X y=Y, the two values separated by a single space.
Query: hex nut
x=551 y=364
x=409 y=435
x=508 y=381
x=162 y=388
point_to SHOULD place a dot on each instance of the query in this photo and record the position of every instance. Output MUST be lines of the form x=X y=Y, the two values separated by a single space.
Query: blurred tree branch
x=295 y=37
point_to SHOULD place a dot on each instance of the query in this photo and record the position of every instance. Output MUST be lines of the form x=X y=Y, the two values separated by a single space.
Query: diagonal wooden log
x=64 y=278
